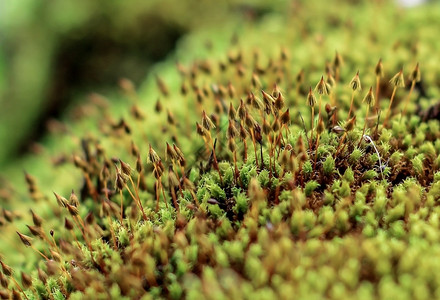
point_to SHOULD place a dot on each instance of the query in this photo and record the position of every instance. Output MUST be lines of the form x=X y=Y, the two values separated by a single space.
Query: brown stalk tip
x=369 y=97
x=170 y=118
x=276 y=125
x=311 y=99
x=276 y=91
x=35 y=231
x=16 y=295
x=4 y=281
x=158 y=106
x=255 y=80
x=231 y=112
x=284 y=55
x=323 y=88
x=162 y=86
x=320 y=128
x=73 y=199
x=134 y=149
x=243 y=132
x=26 y=280
x=26 y=240
x=42 y=276
x=300 y=147
x=7 y=270
x=68 y=224
x=30 y=180
x=285 y=117
x=170 y=153
x=126 y=85
x=379 y=68
x=72 y=210
x=137 y=113
x=257 y=133
x=241 y=112
x=36 y=219
x=207 y=122
x=60 y=200
x=398 y=80
x=232 y=130
x=152 y=155
x=231 y=90
x=350 y=124
x=231 y=145
x=300 y=76
x=90 y=218
x=355 y=83
x=181 y=68
x=200 y=130
x=267 y=129
x=328 y=68
x=279 y=101
x=126 y=169
x=9 y=216
x=337 y=61
x=268 y=99
x=120 y=181
x=330 y=80
x=249 y=120
x=179 y=153
x=415 y=74
x=79 y=162
x=173 y=181
x=139 y=164
x=4 y=294
x=157 y=172
x=257 y=103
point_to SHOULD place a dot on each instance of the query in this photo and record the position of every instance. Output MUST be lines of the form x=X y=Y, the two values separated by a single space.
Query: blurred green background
x=54 y=53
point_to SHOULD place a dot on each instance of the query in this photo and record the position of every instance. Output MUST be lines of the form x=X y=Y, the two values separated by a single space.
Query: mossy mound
x=264 y=166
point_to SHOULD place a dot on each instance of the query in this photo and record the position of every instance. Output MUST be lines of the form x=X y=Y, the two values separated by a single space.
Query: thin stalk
x=215 y=158
x=365 y=125
x=389 y=107
x=157 y=195
x=122 y=208
x=177 y=175
x=320 y=102
x=138 y=202
x=340 y=143
x=83 y=233
x=173 y=196
x=311 y=128
x=377 y=94
x=413 y=83
x=316 y=150
x=163 y=191
x=255 y=147
x=19 y=287
x=351 y=105
x=235 y=166
x=115 y=245
x=39 y=252
x=75 y=238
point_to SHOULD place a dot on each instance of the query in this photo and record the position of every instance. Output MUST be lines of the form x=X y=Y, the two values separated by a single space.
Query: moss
x=250 y=202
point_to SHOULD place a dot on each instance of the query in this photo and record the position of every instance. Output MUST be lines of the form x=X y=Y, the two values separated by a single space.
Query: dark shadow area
x=93 y=58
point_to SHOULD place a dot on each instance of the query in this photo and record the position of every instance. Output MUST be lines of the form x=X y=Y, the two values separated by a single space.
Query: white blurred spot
x=410 y=3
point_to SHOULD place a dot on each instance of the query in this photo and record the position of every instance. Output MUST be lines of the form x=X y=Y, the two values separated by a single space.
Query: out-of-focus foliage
x=54 y=52
x=310 y=198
